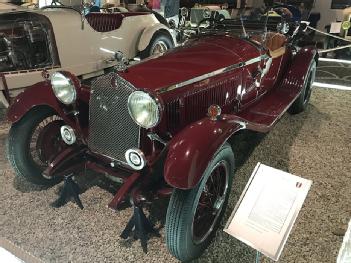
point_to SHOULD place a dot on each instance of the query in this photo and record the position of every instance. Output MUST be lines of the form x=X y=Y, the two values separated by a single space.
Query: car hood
x=199 y=57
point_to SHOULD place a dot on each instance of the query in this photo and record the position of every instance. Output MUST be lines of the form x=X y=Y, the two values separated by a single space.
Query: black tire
x=301 y=102
x=19 y=151
x=159 y=38
x=184 y=207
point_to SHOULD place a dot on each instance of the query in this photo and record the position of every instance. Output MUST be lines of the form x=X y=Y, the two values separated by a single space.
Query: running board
x=263 y=115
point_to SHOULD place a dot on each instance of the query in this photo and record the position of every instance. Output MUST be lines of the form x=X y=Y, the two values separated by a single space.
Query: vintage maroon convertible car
x=162 y=127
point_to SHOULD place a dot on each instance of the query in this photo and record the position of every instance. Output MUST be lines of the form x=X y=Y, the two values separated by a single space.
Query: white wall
x=254 y=3
x=327 y=15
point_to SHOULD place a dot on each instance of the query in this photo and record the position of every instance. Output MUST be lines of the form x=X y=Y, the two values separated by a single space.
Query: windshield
x=25 y=42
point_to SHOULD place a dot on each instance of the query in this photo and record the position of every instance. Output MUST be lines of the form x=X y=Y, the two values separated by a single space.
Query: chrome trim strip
x=212 y=74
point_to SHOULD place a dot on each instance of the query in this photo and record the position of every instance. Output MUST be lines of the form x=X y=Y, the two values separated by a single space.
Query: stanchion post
x=258 y=256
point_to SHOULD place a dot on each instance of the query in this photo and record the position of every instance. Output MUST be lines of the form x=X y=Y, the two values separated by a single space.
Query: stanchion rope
x=321 y=51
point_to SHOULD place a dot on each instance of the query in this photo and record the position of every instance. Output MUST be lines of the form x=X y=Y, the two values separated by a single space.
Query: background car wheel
x=193 y=216
x=220 y=18
x=32 y=142
x=159 y=44
x=301 y=102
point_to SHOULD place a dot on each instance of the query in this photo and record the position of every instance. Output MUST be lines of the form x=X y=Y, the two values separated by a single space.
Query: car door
x=272 y=69
x=247 y=93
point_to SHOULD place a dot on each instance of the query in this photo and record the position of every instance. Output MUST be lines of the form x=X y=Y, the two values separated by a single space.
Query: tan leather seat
x=106 y=22
x=274 y=42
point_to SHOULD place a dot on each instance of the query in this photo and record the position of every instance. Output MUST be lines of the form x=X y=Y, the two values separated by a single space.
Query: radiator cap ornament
x=45 y=74
x=122 y=62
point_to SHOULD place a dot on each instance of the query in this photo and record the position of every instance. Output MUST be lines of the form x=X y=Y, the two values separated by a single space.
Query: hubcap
x=211 y=202
x=159 y=48
x=218 y=204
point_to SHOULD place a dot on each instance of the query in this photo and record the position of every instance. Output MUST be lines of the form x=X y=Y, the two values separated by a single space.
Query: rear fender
x=302 y=61
x=296 y=75
x=191 y=150
x=40 y=94
x=148 y=33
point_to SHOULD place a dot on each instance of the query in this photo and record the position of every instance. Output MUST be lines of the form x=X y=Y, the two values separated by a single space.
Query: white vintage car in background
x=61 y=38
x=201 y=12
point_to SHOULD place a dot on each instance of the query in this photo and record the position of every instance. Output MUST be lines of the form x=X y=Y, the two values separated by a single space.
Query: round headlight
x=143 y=109
x=63 y=88
x=184 y=11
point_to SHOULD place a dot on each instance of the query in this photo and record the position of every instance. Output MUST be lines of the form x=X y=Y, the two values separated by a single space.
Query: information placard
x=10 y=253
x=345 y=250
x=335 y=28
x=267 y=209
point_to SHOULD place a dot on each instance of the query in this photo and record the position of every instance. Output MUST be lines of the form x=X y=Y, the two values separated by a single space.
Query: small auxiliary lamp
x=214 y=111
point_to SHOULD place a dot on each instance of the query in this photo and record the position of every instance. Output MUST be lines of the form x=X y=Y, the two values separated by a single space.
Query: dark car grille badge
x=106 y=103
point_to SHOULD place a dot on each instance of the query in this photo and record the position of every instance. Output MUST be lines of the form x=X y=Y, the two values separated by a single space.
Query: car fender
x=295 y=77
x=191 y=150
x=148 y=33
x=306 y=54
x=41 y=94
x=225 y=13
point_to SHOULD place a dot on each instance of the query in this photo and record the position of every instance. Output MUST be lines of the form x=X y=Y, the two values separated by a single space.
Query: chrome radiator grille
x=196 y=15
x=111 y=129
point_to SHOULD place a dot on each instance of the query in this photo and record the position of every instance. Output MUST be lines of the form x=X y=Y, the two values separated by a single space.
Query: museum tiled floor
x=334 y=73
x=314 y=145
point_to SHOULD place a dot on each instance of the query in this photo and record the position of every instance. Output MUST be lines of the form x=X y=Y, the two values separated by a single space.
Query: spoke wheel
x=32 y=144
x=211 y=202
x=159 y=44
x=193 y=216
x=46 y=141
x=160 y=47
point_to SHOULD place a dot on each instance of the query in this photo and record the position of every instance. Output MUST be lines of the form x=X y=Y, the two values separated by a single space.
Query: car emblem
x=106 y=103
x=46 y=75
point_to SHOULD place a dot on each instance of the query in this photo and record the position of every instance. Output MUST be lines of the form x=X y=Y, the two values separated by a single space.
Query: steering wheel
x=288 y=10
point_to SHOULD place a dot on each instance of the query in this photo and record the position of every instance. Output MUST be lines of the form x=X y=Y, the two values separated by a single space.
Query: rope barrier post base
x=258 y=256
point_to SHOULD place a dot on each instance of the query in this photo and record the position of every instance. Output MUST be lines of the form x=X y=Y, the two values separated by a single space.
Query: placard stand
x=258 y=256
